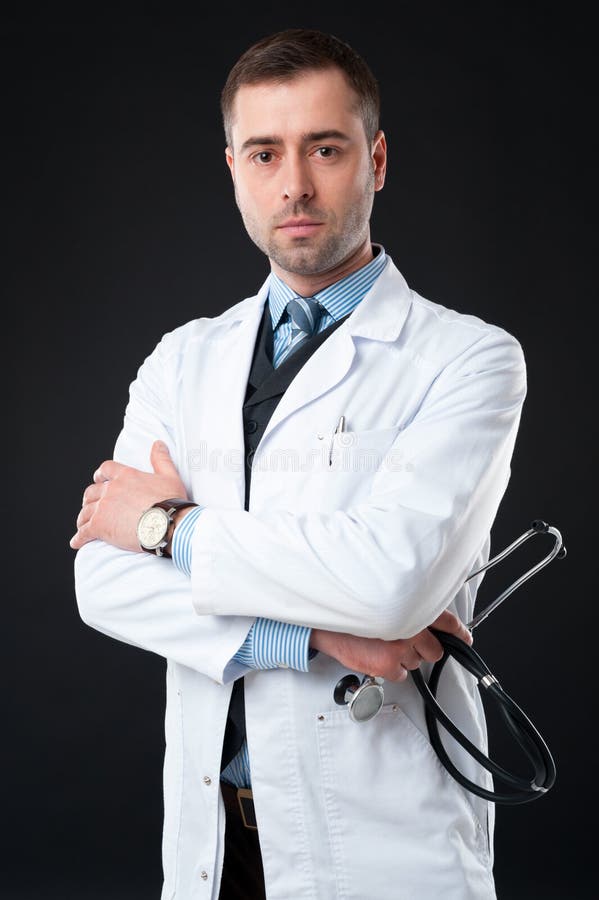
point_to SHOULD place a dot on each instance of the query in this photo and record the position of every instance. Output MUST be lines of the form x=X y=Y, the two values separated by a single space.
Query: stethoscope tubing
x=520 y=726
x=522 y=790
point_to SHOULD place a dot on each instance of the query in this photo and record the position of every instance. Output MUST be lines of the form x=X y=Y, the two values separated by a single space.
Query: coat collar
x=379 y=316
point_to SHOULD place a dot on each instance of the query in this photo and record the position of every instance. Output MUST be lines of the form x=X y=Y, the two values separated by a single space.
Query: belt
x=240 y=802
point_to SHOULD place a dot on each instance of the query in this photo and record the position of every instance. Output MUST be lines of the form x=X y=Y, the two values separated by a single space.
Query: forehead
x=313 y=101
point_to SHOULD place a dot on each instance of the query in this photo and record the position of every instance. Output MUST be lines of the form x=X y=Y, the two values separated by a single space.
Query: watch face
x=152 y=528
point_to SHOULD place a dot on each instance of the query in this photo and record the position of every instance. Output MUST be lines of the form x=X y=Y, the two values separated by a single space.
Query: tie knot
x=305 y=314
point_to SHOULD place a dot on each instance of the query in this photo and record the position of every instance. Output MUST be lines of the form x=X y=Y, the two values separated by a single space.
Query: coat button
x=207 y=779
x=204 y=876
x=251 y=426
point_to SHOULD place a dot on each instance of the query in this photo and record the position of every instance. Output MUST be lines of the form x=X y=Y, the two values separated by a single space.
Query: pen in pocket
x=340 y=427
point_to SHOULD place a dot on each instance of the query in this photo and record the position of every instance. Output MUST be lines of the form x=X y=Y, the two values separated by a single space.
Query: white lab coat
x=378 y=544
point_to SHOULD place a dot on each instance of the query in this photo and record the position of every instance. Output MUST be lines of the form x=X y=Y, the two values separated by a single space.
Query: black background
x=121 y=224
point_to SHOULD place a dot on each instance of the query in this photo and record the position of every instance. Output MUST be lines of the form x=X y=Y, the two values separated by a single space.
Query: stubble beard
x=311 y=256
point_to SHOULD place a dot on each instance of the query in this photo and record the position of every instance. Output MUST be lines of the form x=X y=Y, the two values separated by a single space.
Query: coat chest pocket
x=345 y=466
x=361 y=451
x=396 y=819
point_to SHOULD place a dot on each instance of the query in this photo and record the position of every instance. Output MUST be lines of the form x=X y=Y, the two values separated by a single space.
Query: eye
x=326 y=152
x=263 y=157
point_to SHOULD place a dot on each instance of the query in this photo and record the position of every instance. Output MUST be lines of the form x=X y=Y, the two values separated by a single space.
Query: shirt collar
x=339 y=298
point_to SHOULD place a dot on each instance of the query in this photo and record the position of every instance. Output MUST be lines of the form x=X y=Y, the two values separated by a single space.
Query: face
x=304 y=172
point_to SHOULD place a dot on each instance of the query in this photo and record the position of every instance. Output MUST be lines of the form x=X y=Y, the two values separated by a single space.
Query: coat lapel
x=262 y=368
x=270 y=382
x=379 y=316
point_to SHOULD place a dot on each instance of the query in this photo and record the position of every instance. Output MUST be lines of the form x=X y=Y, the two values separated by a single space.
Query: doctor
x=375 y=428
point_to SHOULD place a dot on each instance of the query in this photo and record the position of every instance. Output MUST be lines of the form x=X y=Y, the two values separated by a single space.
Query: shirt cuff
x=181 y=546
x=275 y=645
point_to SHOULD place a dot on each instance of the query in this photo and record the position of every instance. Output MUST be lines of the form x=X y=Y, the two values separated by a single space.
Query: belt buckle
x=245 y=798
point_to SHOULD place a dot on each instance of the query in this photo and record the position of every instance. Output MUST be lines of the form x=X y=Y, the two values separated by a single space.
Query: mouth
x=299 y=227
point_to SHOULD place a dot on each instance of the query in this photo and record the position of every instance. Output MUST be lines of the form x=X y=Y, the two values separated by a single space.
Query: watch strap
x=175 y=503
x=171 y=506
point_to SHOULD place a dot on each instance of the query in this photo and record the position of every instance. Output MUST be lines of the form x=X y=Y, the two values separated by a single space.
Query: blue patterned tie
x=305 y=314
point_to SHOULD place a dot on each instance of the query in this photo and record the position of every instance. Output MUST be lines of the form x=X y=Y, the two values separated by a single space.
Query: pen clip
x=340 y=428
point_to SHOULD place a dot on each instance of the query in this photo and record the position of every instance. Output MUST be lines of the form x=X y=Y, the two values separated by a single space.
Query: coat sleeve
x=138 y=598
x=388 y=566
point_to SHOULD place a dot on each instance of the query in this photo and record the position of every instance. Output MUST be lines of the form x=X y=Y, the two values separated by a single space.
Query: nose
x=296 y=180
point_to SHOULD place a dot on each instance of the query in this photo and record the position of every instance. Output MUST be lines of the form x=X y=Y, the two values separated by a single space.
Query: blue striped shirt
x=270 y=644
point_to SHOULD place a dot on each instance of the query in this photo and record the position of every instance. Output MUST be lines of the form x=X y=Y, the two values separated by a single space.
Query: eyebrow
x=307 y=138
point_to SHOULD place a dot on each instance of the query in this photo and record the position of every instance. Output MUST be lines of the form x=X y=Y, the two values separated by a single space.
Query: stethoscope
x=365 y=698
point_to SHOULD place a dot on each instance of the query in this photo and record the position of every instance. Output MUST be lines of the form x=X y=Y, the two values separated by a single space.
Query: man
x=336 y=448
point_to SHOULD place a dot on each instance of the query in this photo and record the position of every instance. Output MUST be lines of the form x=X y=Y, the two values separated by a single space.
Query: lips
x=293 y=223
x=299 y=227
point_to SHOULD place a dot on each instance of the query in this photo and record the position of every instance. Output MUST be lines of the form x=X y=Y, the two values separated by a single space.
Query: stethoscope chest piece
x=363 y=698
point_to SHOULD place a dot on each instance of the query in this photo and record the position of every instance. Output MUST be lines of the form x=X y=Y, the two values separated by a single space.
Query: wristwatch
x=154 y=525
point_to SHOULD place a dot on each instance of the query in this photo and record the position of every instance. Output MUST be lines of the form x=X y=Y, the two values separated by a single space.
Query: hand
x=388 y=659
x=113 y=504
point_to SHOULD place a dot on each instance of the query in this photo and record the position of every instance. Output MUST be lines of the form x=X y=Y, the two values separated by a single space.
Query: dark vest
x=266 y=385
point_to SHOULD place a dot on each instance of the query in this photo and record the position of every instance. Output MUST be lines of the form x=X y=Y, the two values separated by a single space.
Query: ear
x=379 y=158
x=230 y=161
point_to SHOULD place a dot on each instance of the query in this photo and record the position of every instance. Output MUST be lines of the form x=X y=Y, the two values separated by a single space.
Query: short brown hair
x=286 y=54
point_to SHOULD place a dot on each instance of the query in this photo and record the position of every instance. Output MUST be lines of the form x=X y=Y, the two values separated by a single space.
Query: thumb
x=160 y=459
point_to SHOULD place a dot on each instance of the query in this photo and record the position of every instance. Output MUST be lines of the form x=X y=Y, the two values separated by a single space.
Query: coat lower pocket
x=398 y=824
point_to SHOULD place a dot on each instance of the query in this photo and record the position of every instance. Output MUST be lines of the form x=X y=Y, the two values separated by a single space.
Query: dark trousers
x=243 y=877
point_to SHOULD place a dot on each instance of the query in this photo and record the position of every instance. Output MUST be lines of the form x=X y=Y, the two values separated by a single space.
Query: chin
x=301 y=259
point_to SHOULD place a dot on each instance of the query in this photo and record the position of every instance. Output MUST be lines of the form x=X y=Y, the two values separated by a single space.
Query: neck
x=308 y=285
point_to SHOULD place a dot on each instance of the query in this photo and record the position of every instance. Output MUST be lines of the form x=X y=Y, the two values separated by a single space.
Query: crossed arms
x=146 y=601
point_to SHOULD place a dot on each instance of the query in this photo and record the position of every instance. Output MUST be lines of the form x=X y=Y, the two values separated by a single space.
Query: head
x=301 y=114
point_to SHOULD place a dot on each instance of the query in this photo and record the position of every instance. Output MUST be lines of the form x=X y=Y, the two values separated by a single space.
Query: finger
x=85 y=514
x=161 y=459
x=92 y=493
x=400 y=673
x=428 y=646
x=108 y=470
x=81 y=537
x=450 y=623
x=410 y=658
